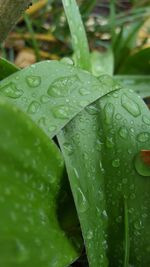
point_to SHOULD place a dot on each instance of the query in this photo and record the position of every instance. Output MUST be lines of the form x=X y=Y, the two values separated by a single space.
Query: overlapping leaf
x=52 y=93
x=111 y=194
x=31 y=172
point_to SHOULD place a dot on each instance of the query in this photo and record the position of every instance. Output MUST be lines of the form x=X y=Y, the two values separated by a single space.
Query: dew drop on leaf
x=116 y=163
x=146 y=120
x=11 y=90
x=143 y=137
x=33 y=107
x=33 y=81
x=109 y=112
x=81 y=201
x=142 y=163
x=61 y=112
x=83 y=91
x=44 y=99
x=131 y=106
x=123 y=132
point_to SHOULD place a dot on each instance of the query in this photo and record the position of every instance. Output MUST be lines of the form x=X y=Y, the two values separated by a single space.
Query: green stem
x=79 y=39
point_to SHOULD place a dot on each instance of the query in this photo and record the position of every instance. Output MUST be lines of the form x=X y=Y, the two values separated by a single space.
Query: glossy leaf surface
x=111 y=195
x=31 y=171
x=52 y=93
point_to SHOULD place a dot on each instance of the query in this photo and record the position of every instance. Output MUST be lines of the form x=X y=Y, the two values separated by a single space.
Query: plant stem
x=79 y=39
x=10 y=11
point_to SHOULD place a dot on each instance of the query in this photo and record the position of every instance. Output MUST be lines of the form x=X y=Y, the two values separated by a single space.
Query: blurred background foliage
x=43 y=33
x=122 y=27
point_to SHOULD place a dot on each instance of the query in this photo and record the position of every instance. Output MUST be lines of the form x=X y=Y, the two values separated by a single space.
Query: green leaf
x=137 y=63
x=78 y=34
x=52 y=93
x=138 y=83
x=111 y=196
x=6 y=68
x=31 y=172
x=102 y=63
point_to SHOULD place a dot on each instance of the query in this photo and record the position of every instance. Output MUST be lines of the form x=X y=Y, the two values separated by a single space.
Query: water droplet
x=11 y=90
x=142 y=163
x=33 y=81
x=109 y=112
x=52 y=128
x=81 y=201
x=118 y=116
x=22 y=252
x=143 y=137
x=61 y=112
x=109 y=142
x=42 y=122
x=63 y=86
x=68 y=147
x=44 y=99
x=130 y=105
x=33 y=107
x=89 y=235
x=146 y=120
x=92 y=110
x=116 y=163
x=123 y=132
x=83 y=91
x=67 y=60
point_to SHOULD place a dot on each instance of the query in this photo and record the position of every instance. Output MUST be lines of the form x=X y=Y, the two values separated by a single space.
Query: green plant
x=103 y=141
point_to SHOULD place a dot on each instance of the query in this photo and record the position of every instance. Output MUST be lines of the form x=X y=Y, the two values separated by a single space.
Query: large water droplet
x=64 y=86
x=92 y=110
x=33 y=107
x=131 y=106
x=142 y=163
x=11 y=90
x=109 y=112
x=89 y=235
x=109 y=142
x=123 y=132
x=33 y=81
x=143 y=137
x=116 y=163
x=61 y=112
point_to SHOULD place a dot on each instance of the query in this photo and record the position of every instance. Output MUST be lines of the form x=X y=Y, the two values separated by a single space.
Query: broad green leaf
x=6 y=68
x=137 y=63
x=102 y=63
x=52 y=93
x=100 y=146
x=139 y=83
x=31 y=172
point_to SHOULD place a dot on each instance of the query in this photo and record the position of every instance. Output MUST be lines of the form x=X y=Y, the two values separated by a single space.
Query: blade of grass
x=79 y=39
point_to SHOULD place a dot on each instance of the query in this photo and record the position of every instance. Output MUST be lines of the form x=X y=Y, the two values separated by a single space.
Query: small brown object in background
x=25 y=58
x=145 y=154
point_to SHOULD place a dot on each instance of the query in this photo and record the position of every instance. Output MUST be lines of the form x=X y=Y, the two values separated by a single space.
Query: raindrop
x=131 y=106
x=61 y=112
x=83 y=91
x=63 y=86
x=68 y=147
x=142 y=163
x=44 y=99
x=109 y=112
x=11 y=90
x=89 y=235
x=123 y=132
x=33 y=81
x=118 y=116
x=116 y=163
x=81 y=201
x=146 y=120
x=143 y=137
x=33 y=107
